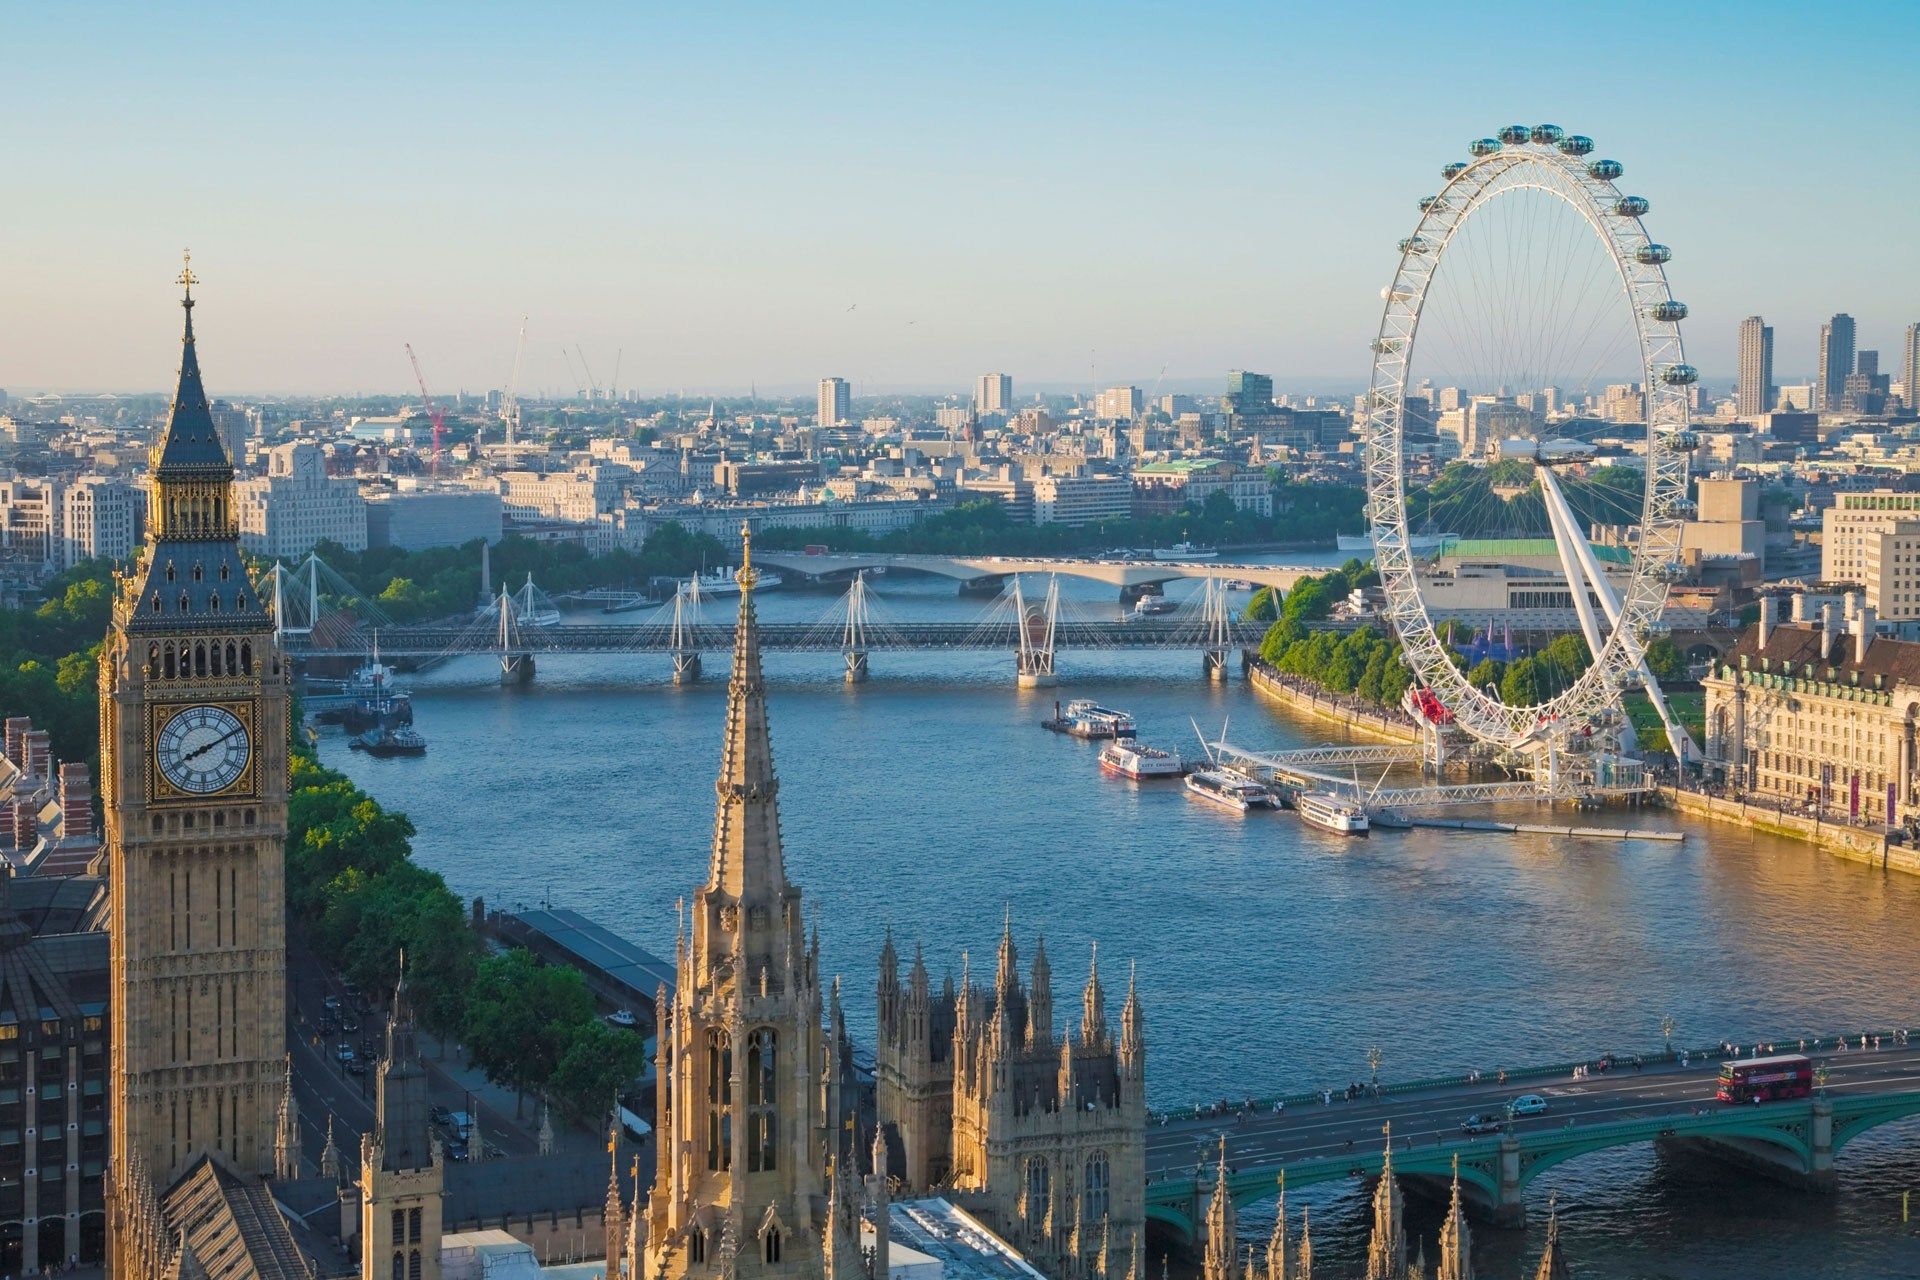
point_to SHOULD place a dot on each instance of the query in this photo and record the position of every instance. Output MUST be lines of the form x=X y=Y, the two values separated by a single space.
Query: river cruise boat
x=1139 y=761
x=721 y=582
x=1330 y=813
x=1185 y=551
x=391 y=741
x=1153 y=607
x=1087 y=719
x=1229 y=790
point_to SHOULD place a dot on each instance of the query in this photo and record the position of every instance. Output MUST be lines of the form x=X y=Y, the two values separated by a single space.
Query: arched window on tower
x=1093 y=1196
x=399 y=1265
x=246 y=657
x=233 y=659
x=172 y=670
x=696 y=1245
x=199 y=658
x=719 y=1100
x=770 y=1245
x=1038 y=1189
x=217 y=667
x=762 y=1095
x=413 y=1264
x=153 y=661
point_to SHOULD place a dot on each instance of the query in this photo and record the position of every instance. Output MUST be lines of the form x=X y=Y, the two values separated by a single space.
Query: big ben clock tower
x=193 y=755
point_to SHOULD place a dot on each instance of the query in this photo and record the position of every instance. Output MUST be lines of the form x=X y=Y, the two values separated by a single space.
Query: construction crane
x=579 y=389
x=433 y=410
x=593 y=388
x=613 y=391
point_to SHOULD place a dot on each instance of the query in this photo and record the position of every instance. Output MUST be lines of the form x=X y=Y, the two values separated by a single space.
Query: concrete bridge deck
x=1314 y=1142
x=1128 y=575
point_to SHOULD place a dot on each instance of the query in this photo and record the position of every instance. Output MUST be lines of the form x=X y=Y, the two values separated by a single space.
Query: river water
x=1270 y=956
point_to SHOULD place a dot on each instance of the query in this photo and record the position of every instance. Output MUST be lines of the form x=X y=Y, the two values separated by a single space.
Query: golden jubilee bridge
x=318 y=615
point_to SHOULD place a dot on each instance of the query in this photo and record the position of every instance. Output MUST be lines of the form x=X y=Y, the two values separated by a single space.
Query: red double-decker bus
x=1786 y=1075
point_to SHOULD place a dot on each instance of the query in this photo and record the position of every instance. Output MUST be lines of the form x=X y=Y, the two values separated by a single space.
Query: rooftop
x=965 y=1248
x=598 y=948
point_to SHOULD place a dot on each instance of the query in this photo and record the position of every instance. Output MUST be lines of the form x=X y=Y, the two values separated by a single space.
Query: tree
x=1665 y=660
x=1486 y=672
x=1261 y=607
x=1524 y=683
x=595 y=1064
x=521 y=1016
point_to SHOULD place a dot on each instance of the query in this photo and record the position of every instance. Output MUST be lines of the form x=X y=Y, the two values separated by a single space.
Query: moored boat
x=1229 y=790
x=1084 y=718
x=1183 y=551
x=390 y=741
x=1153 y=607
x=1331 y=813
x=1137 y=760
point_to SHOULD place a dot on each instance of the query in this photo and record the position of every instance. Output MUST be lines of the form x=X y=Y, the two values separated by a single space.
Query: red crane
x=433 y=410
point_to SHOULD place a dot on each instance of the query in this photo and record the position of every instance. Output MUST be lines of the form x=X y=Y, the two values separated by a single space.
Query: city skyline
x=718 y=232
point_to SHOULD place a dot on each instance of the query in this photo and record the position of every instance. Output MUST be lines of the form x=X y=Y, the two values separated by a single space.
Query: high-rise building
x=1910 y=367
x=101 y=517
x=1755 y=392
x=836 y=402
x=296 y=504
x=1836 y=362
x=1248 y=393
x=1119 y=404
x=994 y=394
x=193 y=759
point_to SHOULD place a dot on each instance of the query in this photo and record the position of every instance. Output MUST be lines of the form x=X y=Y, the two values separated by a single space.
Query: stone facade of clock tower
x=194 y=760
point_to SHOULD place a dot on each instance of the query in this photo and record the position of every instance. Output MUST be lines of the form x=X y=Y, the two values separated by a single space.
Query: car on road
x=1483 y=1122
x=349 y=1023
x=331 y=1004
x=344 y=1052
x=1608 y=1061
x=329 y=1025
x=357 y=1067
x=1527 y=1104
x=439 y=1114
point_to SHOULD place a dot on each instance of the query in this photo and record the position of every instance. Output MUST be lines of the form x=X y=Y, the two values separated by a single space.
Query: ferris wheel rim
x=1542 y=162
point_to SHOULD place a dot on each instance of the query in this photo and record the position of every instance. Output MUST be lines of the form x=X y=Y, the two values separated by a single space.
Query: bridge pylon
x=1217 y=625
x=516 y=661
x=1038 y=625
x=854 y=643
x=686 y=623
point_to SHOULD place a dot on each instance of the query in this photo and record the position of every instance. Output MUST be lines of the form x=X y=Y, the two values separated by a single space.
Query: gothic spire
x=1222 y=1224
x=1277 y=1242
x=611 y=1221
x=190 y=448
x=1093 y=1006
x=747 y=859
x=1007 y=977
x=330 y=1154
x=1305 y=1270
x=286 y=1132
x=1387 y=1247
x=1456 y=1242
x=1553 y=1262
x=1133 y=1025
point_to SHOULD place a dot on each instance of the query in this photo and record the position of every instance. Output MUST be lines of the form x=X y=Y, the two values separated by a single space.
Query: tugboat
x=390 y=741
x=1137 y=760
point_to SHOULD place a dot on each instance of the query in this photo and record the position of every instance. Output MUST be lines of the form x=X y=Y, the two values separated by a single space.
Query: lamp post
x=1666 y=1032
x=1373 y=1064
x=1820 y=1079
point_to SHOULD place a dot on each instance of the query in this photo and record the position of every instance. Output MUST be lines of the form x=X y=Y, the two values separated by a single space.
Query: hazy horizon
x=1075 y=196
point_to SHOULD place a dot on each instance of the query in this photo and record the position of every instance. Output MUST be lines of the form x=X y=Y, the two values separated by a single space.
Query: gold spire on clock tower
x=193 y=746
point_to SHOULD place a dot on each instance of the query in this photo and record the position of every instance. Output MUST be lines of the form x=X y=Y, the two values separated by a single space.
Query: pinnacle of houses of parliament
x=747 y=1181
x=1044 y=1137
x=401 y=1166
x=193 y=755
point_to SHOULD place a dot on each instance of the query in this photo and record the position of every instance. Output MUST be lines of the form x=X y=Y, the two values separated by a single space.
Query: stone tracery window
x=762 y=1096
x=719 y=1099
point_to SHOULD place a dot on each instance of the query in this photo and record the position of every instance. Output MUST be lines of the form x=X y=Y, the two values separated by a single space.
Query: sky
x=731 y=196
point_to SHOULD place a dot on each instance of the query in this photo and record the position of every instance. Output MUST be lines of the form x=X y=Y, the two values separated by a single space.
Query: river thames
x=1270 y=956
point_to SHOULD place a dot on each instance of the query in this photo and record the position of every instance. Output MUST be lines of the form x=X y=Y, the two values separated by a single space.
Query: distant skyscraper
x=836 y=402
x=1119 y=404
x=1910 y=366
x=994 y=393
x=1248 y=393
x=1836 y=360
x=1755 y=394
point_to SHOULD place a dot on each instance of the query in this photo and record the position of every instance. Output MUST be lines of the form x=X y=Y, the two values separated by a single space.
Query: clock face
x=203 y=750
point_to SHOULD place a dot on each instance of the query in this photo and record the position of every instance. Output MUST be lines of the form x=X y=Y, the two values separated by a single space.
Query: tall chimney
x=1829 y=624
x=1852 y=602
x=76 y=801
x=1766 y=621
x=1863 y=632
x=1800 y=607
x=16 y=729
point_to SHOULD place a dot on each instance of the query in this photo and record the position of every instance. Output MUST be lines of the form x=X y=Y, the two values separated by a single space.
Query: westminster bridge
x=1327 y=1137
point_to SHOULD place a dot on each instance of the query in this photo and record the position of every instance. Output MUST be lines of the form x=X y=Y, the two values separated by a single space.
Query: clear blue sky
x=1067 y=193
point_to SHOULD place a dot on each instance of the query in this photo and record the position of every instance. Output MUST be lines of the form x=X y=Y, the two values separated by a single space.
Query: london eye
x=1530 y=395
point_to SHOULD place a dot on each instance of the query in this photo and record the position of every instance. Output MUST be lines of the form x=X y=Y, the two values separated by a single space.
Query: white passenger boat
x=1137 y=760
x=1330 y=813
x=1228 y=790
x=1185 y=551
x=722 y=582
x=1084 y=718
x=1154 y=607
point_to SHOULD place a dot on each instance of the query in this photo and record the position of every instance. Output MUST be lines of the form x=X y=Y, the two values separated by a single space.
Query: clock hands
x=197 y=752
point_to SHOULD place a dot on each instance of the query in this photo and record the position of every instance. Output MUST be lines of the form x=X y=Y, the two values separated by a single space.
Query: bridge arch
x=1899 y=1108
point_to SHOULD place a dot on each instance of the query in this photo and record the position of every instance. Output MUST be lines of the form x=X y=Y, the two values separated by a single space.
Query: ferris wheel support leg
x=1565 y=538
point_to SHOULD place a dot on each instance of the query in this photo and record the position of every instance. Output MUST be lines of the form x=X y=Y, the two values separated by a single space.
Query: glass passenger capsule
x=1429 y=203
x=1386 y=346
x=1681 y=441
x=1668 y=311
x=1548 y=135
x=1653 y=255
x=1515 y=135
x=1679 y=375
x=1483 y=147
x=1606 y=170
x=1414 y=244
x=1631 y=206
x=1454 y=170
x=1575 y=144
x=1670 y=571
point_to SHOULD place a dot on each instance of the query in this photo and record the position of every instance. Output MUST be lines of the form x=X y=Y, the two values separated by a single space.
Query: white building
x=1873 y=540
x=1119 y=404
x=284 y=513
x=1081 y=499
x=30 y=520
x=994 y=394
x=101 y=517
x=579 y=495
x=836 y=402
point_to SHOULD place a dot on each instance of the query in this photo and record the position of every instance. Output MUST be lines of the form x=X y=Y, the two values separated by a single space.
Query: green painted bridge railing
x=1514 y=1075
